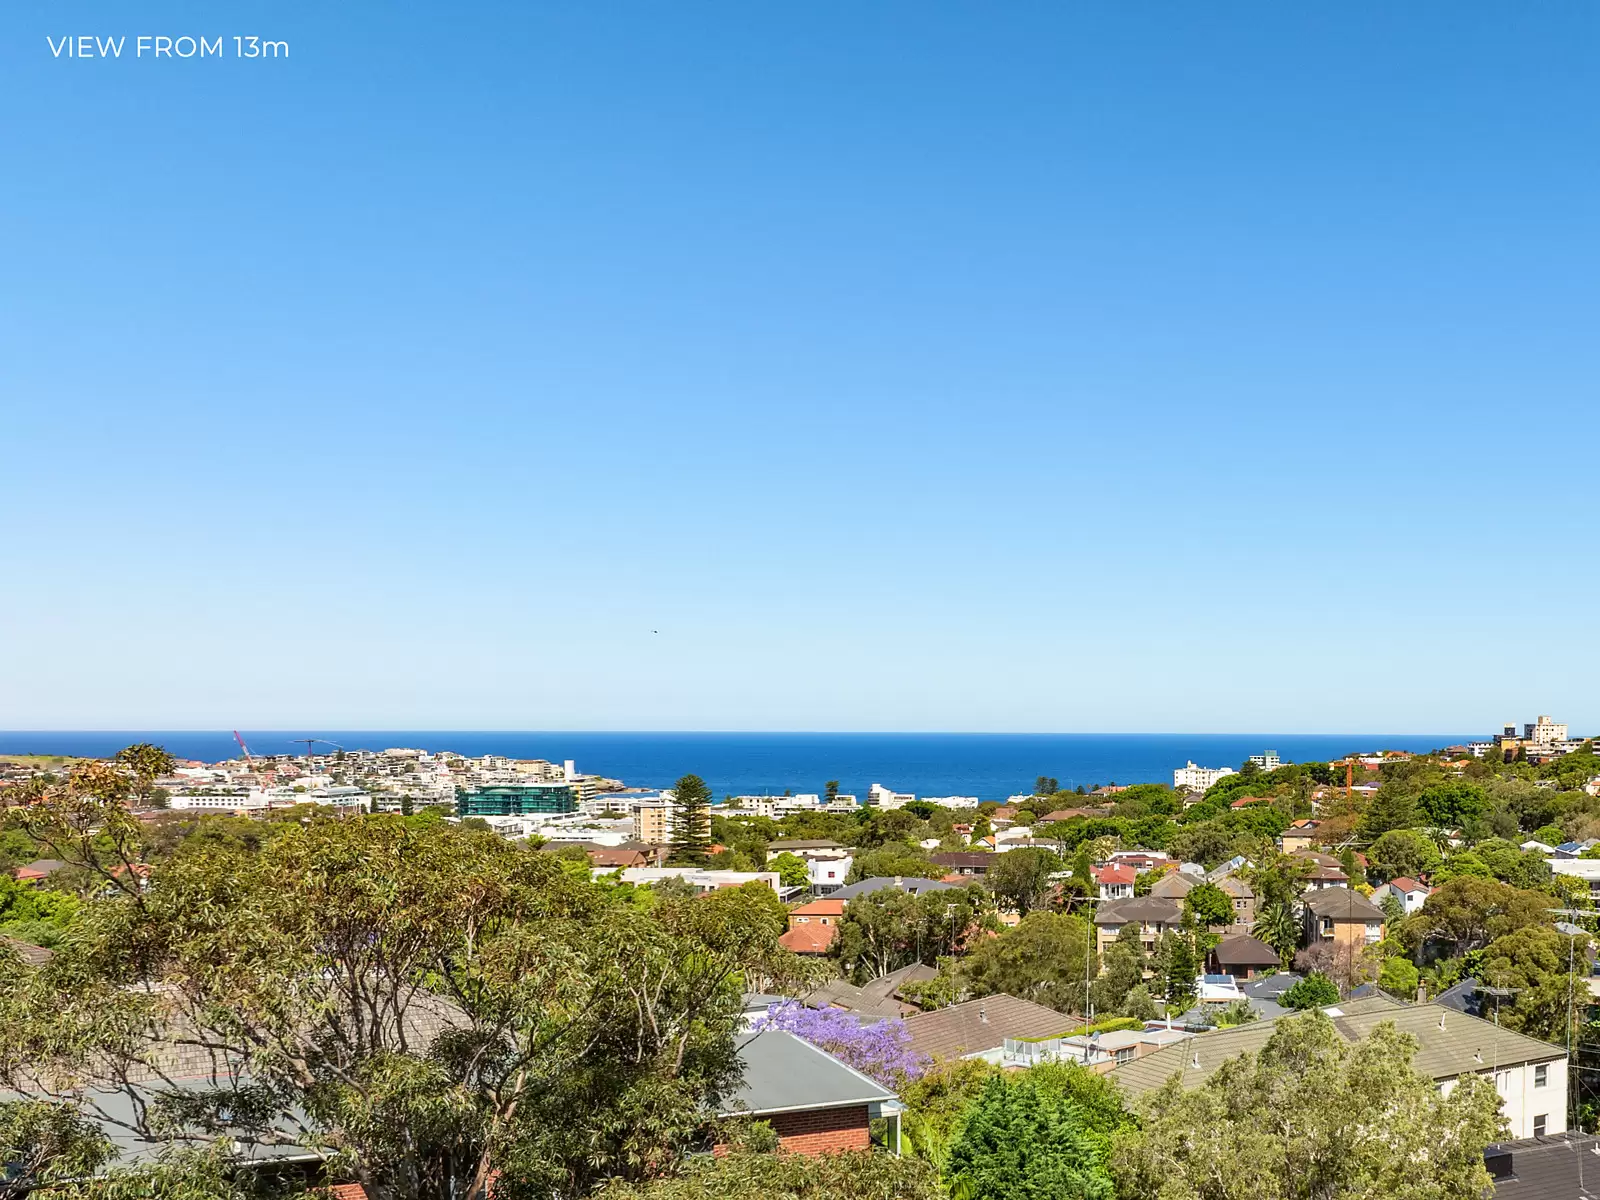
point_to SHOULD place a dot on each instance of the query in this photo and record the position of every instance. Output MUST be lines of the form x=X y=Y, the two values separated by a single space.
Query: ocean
x=988 y=766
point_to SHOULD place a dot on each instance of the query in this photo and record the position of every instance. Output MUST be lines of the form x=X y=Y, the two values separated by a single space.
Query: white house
x=1411 y=894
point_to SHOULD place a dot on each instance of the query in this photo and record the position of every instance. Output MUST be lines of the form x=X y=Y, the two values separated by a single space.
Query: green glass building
x=520 y=800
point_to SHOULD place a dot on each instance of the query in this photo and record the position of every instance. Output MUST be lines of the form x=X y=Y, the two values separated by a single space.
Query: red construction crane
x=248 y=761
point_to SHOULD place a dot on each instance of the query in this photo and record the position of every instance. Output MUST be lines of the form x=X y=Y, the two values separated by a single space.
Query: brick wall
x=819 y=1131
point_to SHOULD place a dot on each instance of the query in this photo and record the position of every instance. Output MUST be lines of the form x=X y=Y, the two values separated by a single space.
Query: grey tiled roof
x=1463 y=1044
x=983 y=1024
x=910 y=884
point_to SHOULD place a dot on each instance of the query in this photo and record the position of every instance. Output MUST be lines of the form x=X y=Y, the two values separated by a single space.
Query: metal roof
x=783 y=1073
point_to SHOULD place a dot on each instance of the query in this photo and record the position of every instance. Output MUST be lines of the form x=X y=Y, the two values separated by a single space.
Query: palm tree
x=1276 y=926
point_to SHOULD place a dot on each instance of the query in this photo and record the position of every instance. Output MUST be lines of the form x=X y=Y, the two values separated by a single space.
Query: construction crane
x=322 y=741
x=248 y=761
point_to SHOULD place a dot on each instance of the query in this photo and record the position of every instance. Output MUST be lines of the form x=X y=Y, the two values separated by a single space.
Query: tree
x=1346 y=964
x=1021 y=1142
x=831 y=790
x=1462 y=864
x=691 y=829
x=1469 y=913
x=1548 y=969
x=1046 y=958
x=1448 y=805
x=1276 y=926
x=885 y=930
x=746 y=1175
x=1045 y=785
x=1316 y=990
x=1393 y=807
x=1209 y=905
x=1176 y=962
x=1403 y=852
x=1399 y=977
x=147 y=763
x=891 y=862
x=440 y=1004
x=1312 y=1116
x=792 y=870
x=1020 y=878
x=881 y=1049
x=1122 y=970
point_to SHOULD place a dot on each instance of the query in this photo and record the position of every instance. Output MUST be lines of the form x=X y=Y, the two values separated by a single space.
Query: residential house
x=813 y=926
x=1244 y=900
x=827 y=862
x=701 y=879
x=40 y=868
x=979 y=1028
x=1530 y=1075
x=1586 y=869
x=1325 y=871
x=1115 y=882
x=1343 y=917
x=1175 y=885
x=1071 y=814
x=1544 y=1168
x=814 y=1103
x=1151 y=915
x=878 y=998
x=1100 y=1052
x=1243 y=956
x=911 y=884
x=1301 y=835
x=1411 y=894
x=963 y=862
x=1140 y=860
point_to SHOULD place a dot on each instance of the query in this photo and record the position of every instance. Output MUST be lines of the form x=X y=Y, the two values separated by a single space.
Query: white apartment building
x=842 y=803
x=238 y=800
x=879 y=796
x=1544 y=731
x=1267 y=760
x=1198 y=779
x=952 y=801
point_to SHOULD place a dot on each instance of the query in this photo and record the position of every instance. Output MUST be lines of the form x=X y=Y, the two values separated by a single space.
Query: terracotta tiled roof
x=1114 y=874
x=347 y=1191
x=826 y=907
x=1405 y=883
x=810 y=938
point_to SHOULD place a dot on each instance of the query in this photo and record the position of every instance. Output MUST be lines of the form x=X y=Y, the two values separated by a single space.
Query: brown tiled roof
x=1174 y=886
x=1242 y=950
x=982 y=1024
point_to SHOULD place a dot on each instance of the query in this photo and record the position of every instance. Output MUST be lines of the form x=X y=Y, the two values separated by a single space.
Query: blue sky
x=1051 y=367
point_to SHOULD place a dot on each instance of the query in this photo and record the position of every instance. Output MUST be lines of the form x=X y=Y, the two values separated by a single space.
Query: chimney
x=983 y=1015
x=1422 y=992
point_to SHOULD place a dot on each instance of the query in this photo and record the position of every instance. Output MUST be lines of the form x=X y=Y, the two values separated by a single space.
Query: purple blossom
x=881 y=1050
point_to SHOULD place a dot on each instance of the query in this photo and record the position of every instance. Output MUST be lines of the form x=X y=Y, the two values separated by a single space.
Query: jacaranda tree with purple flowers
x=881 y=1050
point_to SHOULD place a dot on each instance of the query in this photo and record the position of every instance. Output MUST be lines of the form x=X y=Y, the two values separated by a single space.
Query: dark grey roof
x=1243 y=950
x=1547 y=1168
x=1142 y=908
x=866 y=886
x=783 y=1073
x=1465 y=997
x=1462 y=1045
x=875 y=998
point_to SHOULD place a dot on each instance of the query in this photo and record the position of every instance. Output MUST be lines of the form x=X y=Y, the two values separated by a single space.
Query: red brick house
x=813 y=926
x=814 y=1103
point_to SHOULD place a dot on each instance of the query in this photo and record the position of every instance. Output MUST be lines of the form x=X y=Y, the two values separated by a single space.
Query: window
x=1539 y=1125
x=1541 y=1075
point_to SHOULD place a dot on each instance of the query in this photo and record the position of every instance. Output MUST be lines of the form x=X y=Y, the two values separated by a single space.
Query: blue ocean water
x=988 y=766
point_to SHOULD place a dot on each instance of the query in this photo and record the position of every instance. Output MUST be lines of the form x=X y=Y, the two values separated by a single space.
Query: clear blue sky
x=1101 y=366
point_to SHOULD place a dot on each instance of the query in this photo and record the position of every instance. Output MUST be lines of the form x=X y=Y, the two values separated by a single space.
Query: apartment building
x=1192 y=778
